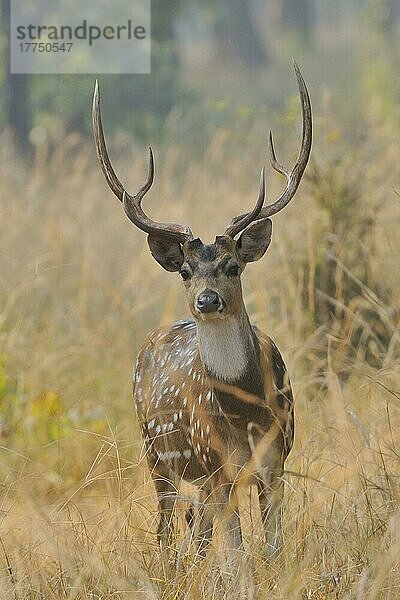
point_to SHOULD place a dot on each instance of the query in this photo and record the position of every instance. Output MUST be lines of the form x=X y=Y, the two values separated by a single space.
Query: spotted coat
x=196 y=425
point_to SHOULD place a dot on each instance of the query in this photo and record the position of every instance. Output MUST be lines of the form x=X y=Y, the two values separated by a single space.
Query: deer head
x=211 y=272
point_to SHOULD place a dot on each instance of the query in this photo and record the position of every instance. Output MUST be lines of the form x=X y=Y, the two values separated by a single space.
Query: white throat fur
x=225 y=347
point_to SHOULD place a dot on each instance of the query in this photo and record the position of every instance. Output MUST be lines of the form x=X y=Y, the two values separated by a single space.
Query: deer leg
x=204 y=535
x=270 y=493
x=166 y=494
x=201 y=521
x=206 y=522
x=228 y=507
x=190 y=516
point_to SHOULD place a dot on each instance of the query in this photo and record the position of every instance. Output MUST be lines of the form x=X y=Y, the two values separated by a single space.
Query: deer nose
x=208 y=302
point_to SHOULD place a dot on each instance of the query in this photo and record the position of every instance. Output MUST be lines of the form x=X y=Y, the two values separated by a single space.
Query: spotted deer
x=212 y=393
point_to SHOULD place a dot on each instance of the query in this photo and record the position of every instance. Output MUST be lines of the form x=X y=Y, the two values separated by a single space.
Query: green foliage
x=28 y=419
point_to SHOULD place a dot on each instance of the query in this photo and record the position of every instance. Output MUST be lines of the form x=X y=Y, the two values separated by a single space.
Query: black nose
x=208 y=302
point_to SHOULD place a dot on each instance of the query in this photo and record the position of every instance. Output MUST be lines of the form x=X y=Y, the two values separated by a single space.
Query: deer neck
x=228 y=347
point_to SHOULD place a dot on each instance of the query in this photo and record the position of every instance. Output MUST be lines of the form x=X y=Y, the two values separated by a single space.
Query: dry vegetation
x=78 y=293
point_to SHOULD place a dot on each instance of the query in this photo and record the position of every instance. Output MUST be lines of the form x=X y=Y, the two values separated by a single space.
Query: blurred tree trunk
x=15 y=90
x=392 y=16
x=165 y=61
x=237 y=36
x=299 y=15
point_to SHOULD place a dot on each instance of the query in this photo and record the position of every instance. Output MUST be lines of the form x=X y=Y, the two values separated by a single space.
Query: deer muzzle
x=209 y=301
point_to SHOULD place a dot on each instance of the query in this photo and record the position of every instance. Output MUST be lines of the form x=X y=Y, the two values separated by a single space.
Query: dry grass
x=78 y=293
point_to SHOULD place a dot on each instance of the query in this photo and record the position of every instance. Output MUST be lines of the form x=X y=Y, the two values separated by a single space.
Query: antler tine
x=238 y=225
x=294 y=176
x=150 y=176
x=101 y=147
x=132 y=204
x=272 y=158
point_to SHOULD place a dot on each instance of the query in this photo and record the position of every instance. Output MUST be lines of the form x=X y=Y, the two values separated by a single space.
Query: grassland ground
x=78 y=293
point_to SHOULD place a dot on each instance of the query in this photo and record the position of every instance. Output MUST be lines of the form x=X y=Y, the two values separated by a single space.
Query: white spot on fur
x=170 y=455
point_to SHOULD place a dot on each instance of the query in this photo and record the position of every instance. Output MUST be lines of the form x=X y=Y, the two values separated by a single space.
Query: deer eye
x=233 y=270
x=184 y=273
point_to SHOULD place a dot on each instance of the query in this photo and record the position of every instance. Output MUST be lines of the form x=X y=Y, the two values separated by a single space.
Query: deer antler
x=132 y=204
x=240 y=223
x=293 y=177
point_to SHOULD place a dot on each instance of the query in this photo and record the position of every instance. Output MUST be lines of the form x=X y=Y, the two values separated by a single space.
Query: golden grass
x=78 y=293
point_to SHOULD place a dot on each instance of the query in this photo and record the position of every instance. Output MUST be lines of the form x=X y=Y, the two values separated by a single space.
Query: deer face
x=211 y=272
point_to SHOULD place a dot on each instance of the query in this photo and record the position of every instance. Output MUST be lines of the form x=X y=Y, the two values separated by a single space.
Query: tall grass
x=79 y=291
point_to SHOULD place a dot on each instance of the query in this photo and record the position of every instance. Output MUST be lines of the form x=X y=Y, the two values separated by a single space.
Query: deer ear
x=254 y=240
x=167 y=252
